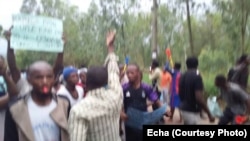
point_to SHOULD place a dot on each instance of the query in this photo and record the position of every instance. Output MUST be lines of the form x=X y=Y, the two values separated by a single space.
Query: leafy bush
x=214 y=62
x=210 y=89
x=211 y=64
x=146 y=79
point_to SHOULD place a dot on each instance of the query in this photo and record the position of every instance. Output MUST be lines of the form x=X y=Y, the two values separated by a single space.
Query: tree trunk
x=212 y=35
x=154 y=26
x=189 y=28
x=124 y=42
x=244 y=18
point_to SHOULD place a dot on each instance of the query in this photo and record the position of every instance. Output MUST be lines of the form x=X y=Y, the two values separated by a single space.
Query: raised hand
x=7 y=35
x=110 y=38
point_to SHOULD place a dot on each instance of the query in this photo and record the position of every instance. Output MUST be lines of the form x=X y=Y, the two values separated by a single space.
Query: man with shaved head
x=22 y=84
x=139 y=96
x=43 y=115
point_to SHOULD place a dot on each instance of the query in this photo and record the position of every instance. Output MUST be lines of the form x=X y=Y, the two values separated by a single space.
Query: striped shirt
x=96 y=118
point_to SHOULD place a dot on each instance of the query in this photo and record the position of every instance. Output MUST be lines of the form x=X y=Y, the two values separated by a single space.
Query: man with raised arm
x=39 y=115
x=97 y=116
x=7 y=91
x=22 y=84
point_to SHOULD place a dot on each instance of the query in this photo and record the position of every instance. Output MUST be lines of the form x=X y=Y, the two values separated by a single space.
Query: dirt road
x=175 y=121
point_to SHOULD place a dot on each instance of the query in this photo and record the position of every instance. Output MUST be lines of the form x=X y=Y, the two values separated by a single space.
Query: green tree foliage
x=220 y=32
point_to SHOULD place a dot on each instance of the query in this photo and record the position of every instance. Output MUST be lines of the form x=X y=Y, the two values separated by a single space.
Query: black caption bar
x=206 y=132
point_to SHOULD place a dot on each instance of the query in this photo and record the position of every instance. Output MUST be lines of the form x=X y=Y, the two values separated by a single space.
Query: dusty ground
x=175 y=121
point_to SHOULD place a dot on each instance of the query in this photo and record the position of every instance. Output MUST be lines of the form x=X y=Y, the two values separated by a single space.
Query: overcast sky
x=9 y=7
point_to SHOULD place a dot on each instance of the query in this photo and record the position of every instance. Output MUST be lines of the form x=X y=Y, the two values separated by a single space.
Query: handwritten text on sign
x=36 y=33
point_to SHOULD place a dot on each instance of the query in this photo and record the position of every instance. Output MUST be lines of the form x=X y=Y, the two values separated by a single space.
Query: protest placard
x=36 y=33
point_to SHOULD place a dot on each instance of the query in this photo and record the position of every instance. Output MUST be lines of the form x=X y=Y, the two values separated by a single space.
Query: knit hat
x=67 y=71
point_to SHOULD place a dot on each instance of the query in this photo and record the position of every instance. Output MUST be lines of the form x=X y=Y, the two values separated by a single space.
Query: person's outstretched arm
x=112 y=65
x=200 y=98
x=14 y=70
x=58 y=65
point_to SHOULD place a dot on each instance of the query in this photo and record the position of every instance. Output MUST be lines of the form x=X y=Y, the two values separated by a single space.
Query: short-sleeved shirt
x=190 y=82
x=235 y=98
x=137 y=98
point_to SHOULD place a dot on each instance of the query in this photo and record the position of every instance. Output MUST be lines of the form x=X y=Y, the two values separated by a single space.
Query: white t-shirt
x=44 y=128
x=64 y=92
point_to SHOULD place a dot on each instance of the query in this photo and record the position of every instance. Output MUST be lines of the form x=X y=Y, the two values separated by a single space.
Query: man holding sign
x=22 y=84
